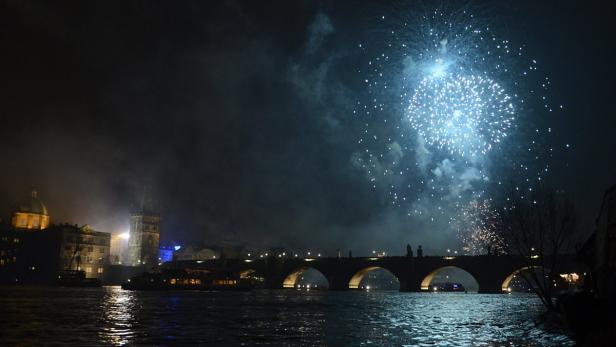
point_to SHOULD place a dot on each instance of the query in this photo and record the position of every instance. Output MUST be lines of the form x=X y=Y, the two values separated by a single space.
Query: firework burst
x=467 y=115
x=477 y=228
x=451 y=111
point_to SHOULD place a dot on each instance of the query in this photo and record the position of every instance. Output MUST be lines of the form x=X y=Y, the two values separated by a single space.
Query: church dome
x=32 y=205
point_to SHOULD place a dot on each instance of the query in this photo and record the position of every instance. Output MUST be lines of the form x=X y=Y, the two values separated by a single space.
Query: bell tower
x=144 y=234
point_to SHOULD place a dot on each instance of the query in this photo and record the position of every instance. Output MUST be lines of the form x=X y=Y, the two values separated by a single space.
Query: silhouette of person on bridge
x=419 y=252
x=409 y=251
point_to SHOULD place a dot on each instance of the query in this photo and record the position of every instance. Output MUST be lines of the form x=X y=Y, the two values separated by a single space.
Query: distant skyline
x=240 y=115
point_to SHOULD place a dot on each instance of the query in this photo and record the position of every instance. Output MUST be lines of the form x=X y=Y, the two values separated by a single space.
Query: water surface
x=112 y=316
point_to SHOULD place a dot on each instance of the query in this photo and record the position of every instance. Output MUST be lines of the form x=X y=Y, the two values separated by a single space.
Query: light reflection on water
x=112 y=316
x=117 y=316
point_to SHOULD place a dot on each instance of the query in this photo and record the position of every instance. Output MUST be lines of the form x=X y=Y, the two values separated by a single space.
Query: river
x=112 y=316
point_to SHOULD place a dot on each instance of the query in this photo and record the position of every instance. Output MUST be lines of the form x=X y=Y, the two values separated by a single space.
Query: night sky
x=239 y=115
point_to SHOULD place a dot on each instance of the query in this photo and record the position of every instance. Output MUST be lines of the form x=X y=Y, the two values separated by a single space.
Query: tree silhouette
x=539 y=226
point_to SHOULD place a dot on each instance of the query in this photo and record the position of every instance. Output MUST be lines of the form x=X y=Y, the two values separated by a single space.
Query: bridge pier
x=410 y=285
x=490 y=284
x=336 y=280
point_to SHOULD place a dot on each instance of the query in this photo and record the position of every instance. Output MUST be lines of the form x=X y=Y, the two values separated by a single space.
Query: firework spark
x=477 y=228
x=450 y=112
x=467 y=115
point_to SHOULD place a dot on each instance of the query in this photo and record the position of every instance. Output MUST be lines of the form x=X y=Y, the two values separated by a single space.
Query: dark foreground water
x=112 y=316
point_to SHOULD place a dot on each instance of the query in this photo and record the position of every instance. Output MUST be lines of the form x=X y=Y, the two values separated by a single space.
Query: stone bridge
x=415 y=274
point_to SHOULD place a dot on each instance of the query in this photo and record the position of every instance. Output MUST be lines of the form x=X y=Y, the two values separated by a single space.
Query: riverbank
x=591 y=320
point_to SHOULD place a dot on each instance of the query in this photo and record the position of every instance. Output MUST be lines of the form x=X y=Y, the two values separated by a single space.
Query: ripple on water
x=112 y=316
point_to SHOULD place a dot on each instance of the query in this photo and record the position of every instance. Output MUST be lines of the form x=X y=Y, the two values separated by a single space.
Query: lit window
x=88 y=269
x=100 y=270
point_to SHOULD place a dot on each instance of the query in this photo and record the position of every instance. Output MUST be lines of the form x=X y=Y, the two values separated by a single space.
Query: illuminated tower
x=30 y=214
x=144 y=235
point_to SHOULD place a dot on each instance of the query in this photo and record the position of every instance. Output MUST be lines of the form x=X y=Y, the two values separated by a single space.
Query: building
x=28 y=257
x=30 y=214
x=144 y=237
x=165 y=253
x=195 y=253
x=26 y=246
x=38 y=257
x=33 y=251
x=9 y=246
x=83 y=249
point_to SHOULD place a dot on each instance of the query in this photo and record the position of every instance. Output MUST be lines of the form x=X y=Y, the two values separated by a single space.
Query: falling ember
x=477 y=228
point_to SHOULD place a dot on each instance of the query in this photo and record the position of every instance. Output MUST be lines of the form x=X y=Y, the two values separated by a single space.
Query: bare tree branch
x=539 y=228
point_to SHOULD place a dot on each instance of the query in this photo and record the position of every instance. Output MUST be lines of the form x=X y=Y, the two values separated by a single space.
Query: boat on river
x=448 y=287
x=182 y=280
x=76 y=278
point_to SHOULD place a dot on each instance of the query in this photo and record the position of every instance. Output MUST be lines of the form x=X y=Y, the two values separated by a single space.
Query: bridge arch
x=428 y=279
x=356 y=279
x=505 y=287
x=292 y=279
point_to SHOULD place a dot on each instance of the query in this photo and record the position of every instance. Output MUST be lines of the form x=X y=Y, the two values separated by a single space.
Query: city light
x=570 y=277
x=125 y=235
